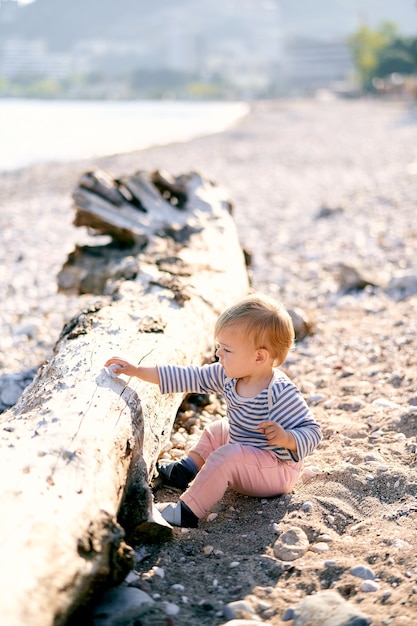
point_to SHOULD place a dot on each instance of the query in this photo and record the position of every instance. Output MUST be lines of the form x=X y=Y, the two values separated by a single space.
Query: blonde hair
x=266 y=322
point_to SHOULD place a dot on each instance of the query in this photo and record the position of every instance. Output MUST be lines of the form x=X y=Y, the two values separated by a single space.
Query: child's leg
x=180 y=473
x=248 y=470
x=215 y=435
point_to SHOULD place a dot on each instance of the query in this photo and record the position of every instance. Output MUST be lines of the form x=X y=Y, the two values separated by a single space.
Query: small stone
x=373 y=456
x=404 y=283
x=207 y=550
x=316 y=398
x=10 y=392
x=328 y=607
x=212 y=516
x=171 y=609
x=383 y=402
x=319 y=547
x=234 y=564
x=238 y=609
x=159 y=571
x=288 y=615
x=307 y=507
x=369 y=586
x=362 y=571
x=291 y=545
x=263 y=606
x=120 y=604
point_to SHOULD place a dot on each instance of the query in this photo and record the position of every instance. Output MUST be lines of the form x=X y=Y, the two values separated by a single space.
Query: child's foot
x=178 y=473
x=177 y=514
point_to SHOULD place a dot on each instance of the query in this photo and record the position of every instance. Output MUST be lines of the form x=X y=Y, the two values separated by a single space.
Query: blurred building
x=313 y=64
x=31 y=57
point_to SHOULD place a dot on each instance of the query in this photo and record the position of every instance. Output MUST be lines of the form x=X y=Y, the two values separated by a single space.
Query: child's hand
x=123 y=367
x=276 y=435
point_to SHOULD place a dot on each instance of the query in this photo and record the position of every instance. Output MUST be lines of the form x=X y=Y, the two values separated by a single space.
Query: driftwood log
x=79 y=448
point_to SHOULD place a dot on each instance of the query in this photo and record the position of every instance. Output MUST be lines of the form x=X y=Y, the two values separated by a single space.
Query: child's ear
x=262 y=355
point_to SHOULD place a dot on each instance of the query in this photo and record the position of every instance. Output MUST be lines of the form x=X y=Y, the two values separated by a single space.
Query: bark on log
x=79 y=447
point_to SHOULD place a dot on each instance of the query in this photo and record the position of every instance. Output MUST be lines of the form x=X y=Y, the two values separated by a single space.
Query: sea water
x=34 y=131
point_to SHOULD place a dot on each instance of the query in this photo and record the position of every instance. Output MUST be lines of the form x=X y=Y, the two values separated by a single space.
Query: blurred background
x=221 y=49
x=83 y=78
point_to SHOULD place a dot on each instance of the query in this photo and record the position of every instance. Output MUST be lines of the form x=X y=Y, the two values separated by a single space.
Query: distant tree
x=366 y=46
x=382 y=53
x=399 y=57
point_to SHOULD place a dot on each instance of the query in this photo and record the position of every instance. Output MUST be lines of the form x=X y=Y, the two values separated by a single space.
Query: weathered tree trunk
x=78 y=449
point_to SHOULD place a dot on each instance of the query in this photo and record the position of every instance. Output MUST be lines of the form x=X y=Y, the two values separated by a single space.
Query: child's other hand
x=276 y=435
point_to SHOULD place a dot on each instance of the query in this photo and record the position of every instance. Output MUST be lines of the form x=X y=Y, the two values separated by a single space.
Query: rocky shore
x=325 y=197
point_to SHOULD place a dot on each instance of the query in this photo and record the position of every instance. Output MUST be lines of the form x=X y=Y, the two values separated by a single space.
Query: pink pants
x=248 y=470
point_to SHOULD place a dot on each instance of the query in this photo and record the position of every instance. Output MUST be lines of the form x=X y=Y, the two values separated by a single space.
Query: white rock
x=158 y=571
x=291 y=545
x=369 y=586
x=320 y=546
x=383 y=402
x=307 y=506
x=171 y=609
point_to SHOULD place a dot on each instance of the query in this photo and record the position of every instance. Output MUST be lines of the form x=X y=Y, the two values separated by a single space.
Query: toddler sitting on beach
x=259 y=449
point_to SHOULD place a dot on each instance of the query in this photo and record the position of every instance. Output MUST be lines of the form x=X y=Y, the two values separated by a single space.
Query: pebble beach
x=324 y=195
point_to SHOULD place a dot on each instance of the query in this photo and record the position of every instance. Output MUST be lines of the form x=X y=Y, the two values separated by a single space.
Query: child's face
x=235 y=352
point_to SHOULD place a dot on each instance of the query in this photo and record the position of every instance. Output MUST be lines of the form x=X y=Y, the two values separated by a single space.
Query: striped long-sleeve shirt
x=281 y=402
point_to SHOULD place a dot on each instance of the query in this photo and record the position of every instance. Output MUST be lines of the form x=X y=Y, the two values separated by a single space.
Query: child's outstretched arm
x=148 y=374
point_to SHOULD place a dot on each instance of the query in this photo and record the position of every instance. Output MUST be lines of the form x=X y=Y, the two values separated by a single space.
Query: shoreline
x=95 y=129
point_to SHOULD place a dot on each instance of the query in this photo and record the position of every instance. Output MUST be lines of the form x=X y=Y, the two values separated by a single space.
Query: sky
x=311 y=15
x=340 y=17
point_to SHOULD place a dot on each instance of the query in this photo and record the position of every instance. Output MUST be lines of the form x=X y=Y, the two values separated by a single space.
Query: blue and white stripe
x=280 y=402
